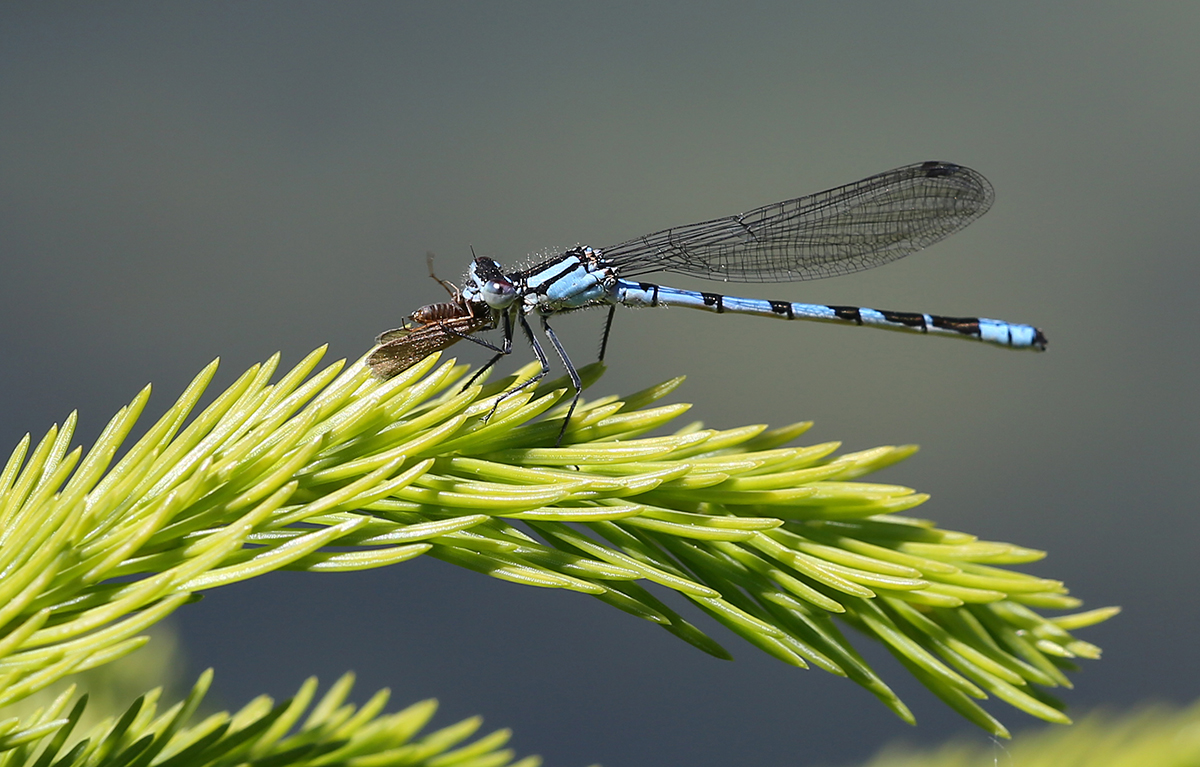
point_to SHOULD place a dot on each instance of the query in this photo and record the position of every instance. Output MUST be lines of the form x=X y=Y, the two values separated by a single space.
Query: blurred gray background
x=182 y=181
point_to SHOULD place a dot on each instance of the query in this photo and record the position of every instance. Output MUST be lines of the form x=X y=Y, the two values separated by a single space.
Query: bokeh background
x=182 y=181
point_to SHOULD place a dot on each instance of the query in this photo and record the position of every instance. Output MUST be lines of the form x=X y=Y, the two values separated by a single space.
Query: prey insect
x=429 y=329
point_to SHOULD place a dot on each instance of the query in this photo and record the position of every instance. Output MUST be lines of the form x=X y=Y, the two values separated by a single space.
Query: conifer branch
x=262 y=733
x=337 y=471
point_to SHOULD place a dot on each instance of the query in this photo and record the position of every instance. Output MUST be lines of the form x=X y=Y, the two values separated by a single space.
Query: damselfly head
x=485 y=282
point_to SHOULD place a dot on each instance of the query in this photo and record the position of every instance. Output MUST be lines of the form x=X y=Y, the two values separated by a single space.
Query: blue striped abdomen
x=977 y=328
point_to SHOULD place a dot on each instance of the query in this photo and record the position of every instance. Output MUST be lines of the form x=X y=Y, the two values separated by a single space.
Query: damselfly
x=839 y=231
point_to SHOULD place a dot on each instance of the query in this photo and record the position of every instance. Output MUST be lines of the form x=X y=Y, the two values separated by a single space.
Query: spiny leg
x=450 y=287
x=607 y=327
x=571 y=371
x=537 y=349
x=501 y=351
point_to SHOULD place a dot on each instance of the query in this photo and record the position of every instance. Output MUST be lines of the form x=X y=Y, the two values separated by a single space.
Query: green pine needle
x=1154 y=736
x=263 y=733
x=338 y=471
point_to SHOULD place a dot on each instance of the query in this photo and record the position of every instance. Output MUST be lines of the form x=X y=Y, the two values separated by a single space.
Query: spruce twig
x=262 y=733
x=333 y=471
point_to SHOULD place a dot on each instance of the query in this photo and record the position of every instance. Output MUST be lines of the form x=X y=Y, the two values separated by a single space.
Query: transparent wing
x=404 y=347
x=839 y=231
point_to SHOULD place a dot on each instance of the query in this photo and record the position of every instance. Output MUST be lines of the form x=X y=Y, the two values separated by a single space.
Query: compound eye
x=498 y=294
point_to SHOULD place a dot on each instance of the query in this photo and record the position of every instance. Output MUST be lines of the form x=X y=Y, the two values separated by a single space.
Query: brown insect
x=429 y=329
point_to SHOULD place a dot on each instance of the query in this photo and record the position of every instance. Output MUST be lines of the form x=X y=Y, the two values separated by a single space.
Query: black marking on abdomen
x=968 y=326
x=651 y=288
x=908 y=319
x=848 y=313
x=714 y=299
x=783 y=307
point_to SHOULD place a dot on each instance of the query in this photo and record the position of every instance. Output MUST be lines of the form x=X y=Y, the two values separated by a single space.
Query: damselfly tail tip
x=1039 y=340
